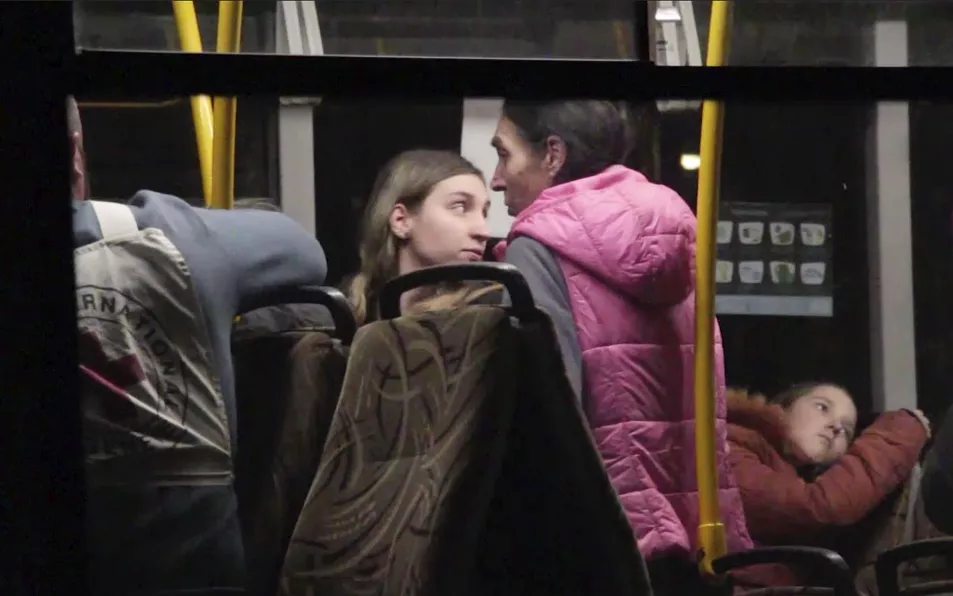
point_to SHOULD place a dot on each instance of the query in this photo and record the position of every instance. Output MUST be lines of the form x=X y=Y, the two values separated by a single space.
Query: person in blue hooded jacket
x=162 y=515
x=282 y=317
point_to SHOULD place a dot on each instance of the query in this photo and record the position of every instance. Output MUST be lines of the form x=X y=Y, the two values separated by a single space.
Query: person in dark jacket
x=937 y=484
x=804 y=479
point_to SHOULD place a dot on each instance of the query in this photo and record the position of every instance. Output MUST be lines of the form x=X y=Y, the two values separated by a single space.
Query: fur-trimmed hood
x=752 y=411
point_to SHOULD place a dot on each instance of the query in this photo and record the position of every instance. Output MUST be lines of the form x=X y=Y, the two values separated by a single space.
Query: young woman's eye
x=459 y=207
x=821 y=406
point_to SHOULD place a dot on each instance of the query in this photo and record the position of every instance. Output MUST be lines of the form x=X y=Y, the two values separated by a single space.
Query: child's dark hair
x=789 y=396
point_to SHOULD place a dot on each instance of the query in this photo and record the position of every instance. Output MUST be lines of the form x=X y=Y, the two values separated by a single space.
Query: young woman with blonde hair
x=427 y=208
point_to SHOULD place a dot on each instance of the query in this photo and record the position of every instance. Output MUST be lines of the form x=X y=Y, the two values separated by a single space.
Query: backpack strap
x=115 y=219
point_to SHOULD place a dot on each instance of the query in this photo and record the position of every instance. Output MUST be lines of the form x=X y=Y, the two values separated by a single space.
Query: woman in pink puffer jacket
x=610 y=256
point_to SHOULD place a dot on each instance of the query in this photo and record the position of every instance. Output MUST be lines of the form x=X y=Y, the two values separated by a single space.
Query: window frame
x=39 y=316
x=127 y=75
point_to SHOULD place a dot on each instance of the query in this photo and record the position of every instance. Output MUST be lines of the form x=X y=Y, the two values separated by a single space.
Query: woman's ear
x=555 y=157
x=400 y=221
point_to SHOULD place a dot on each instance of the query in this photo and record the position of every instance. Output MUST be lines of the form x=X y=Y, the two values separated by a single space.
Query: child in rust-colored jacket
x=804 y=477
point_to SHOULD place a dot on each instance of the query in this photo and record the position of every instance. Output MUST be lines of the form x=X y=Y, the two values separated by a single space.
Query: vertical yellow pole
x=711 y=530
x=225 y=110
x=190 y=40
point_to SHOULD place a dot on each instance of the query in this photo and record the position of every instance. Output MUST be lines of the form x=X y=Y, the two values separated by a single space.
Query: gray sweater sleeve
x=545 y=278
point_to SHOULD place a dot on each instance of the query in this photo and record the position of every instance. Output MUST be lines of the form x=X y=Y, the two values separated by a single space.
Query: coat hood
x=635 y=236
x=753 y=412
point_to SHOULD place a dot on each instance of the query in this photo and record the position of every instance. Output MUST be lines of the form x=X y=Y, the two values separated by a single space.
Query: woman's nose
x=480 y=229
x=496 y=183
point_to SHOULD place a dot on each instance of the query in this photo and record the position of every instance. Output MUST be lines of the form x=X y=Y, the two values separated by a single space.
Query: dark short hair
x=597 y=134
x=789 y=396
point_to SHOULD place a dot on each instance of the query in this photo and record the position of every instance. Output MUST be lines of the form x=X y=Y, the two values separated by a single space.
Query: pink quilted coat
x=626 y=247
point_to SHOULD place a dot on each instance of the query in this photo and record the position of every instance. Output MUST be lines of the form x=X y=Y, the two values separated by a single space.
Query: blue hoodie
x=186 y=537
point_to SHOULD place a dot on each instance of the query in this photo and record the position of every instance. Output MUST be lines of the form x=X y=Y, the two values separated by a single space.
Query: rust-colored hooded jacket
x=782 y=508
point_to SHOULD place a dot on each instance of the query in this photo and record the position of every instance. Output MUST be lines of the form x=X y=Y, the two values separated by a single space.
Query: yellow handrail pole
x=225 y=110
x=711 y=530
x=191 y=41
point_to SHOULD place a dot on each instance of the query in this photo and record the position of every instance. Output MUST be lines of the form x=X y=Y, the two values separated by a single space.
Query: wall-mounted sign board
x=774 y=259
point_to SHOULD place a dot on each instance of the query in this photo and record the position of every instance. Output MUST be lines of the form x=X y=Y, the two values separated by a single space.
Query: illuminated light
x=690 y=161
x=667 y=12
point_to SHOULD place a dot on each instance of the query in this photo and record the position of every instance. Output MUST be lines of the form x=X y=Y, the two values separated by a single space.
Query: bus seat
x=399 y=499
x=280 y=318
x=530 y=488
x=921 y=560
x=556 y=525
x=899 y=521
x=287 y=386
x=831 y=566
x=901 y=561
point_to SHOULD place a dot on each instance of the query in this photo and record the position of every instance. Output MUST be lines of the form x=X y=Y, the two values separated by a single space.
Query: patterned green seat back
x=397 y=506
